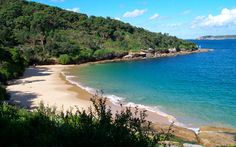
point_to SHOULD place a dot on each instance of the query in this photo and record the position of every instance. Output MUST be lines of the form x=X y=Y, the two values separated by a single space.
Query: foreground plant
x=95 y=127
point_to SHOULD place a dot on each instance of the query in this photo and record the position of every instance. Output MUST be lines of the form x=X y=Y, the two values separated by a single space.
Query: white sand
x=43 y=84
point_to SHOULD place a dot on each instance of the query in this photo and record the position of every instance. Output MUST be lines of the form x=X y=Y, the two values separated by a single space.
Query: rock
x=216 y=136
x=149 y=55
x=169 y=143
x=191 y=145
x=128 y=56
x=180 y=132
x=172 y=50
x=151 y=50
x=135 y=55
x=142 y=54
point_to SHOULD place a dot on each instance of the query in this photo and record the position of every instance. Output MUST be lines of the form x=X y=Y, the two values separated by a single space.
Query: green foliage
x=48 y=32
x=12 y=64
x=95 y=127
x=64 y=59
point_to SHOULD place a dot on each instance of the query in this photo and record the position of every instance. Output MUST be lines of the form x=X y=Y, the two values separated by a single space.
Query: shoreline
x=161 y=55
x=46 y=83
x=50 y=73
x=154 y=116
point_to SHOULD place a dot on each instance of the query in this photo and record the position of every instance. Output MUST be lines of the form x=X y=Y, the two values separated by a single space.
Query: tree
x=64 y=59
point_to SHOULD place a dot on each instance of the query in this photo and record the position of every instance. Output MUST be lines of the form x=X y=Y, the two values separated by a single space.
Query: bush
x=95 y=127
x=12 y=64
x=64 y=59
x=3 y=93
x=109 y=54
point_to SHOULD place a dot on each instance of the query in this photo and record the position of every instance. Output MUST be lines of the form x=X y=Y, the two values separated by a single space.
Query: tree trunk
x=42 y=39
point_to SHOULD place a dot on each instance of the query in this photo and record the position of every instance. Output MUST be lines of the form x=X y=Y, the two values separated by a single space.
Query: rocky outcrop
x=207 y=136
x=151 y=53
x=172 y=50
x=215 y=136
x=135 y=55
x=180 y=132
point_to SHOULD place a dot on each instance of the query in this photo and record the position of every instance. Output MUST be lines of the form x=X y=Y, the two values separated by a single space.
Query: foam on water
x=116 y=100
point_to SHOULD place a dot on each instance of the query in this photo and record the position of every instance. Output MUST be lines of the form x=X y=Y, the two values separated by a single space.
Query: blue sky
x=183 y=18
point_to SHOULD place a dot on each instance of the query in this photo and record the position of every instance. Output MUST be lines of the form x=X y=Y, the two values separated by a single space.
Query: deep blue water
x=199 y=89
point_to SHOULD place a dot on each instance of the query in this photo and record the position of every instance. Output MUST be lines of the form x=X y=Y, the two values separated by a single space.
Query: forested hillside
x=43 y=33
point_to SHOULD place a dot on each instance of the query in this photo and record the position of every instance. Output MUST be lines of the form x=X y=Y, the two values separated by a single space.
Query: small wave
x=154 y=110
x=196 y=130
x=116 y=100
x=70 y=80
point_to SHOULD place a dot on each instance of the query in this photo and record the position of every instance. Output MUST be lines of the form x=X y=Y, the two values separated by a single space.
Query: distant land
x=220 y=37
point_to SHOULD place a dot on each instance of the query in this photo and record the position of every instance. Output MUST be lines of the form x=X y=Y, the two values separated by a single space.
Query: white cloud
x=226 y=17
x=186 y=12
x=74 y=9
x=174 y=25
x=155 y=16
x=117 y=18
x=134 y=13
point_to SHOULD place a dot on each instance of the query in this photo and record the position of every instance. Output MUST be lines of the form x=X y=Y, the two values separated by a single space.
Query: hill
x=43 y=33
x=221 y=37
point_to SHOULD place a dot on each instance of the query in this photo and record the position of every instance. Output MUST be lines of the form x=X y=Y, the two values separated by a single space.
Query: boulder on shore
x=172 y=50
x=216 y=136
x=135 y=55
x=180 y=132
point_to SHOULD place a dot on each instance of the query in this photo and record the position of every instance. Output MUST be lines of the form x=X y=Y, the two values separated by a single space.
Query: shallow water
x=198 y=89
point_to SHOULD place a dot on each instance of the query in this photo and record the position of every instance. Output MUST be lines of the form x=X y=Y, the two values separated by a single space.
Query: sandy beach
x=45 y=84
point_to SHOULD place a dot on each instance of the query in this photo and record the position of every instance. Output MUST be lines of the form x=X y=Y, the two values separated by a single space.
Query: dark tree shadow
x=37 y=71
x=32 y=72
x=21 y=99
x=23 y=82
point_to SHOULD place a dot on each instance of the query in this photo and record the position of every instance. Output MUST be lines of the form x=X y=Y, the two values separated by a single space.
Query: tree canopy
x=46 y=32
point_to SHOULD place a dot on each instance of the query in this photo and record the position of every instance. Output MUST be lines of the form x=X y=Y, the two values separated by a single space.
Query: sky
x=187 y=19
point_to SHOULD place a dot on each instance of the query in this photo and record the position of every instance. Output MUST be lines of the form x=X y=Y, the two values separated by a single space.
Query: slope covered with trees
x=43 y=33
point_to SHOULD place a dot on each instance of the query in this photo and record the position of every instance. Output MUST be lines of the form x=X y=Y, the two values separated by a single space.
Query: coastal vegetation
x=95 y=127
x=12 y=65
x=43 y=33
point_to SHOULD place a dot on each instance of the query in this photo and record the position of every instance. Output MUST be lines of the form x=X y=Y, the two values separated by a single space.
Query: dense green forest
x=43 y=33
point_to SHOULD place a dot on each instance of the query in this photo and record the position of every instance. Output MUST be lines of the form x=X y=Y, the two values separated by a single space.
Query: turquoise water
x=198 y=89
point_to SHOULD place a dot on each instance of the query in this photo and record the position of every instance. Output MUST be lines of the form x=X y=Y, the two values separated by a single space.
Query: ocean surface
x=197 y=89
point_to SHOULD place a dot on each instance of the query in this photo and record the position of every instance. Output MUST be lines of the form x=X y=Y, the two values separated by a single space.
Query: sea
x=197 y=89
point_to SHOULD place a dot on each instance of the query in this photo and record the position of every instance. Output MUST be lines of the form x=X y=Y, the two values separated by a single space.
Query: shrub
x=64 y=59
x=95 y=127
x=109 y=53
